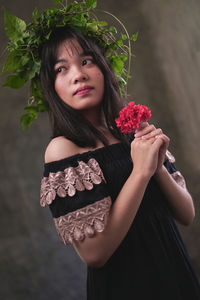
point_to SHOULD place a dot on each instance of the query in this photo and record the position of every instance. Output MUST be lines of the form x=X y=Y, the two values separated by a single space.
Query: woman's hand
x=145 y=132
x=145 y=154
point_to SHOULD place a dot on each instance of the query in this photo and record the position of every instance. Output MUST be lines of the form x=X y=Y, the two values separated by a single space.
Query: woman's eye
x=87 y=61
x=61 y=69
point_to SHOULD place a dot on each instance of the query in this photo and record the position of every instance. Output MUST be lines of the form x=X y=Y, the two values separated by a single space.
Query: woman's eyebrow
x=61 y=60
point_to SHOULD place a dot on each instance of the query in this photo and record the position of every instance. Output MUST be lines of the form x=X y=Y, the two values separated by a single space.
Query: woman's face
x=79 y=82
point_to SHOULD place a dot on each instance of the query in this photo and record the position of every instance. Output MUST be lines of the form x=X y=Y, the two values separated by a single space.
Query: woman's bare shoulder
x=60 y=148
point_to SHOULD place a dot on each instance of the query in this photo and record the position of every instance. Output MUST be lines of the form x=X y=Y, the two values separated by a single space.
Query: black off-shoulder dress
x=151 y=262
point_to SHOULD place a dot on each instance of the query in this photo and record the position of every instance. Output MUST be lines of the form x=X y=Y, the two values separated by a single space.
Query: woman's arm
x=97 y=250
x=180 y=200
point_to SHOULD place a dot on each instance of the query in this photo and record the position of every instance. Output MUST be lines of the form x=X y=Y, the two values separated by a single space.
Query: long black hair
x=65 y=120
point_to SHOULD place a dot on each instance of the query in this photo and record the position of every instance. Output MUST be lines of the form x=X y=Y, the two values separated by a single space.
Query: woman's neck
x=96 y=118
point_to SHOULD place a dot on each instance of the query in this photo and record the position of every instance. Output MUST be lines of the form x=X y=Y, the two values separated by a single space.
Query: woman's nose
x=80 y=76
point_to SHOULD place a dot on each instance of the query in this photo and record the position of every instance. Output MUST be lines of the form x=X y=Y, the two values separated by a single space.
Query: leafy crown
x=23 y=61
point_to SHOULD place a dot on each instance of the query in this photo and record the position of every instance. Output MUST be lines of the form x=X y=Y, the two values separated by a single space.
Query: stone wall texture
x=165 y=76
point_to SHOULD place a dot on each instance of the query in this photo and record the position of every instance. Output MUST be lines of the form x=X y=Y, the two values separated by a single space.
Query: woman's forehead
x=69 y=47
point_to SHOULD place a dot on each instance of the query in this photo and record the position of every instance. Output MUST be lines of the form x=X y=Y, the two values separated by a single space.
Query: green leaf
x=15 y=81
x=33 y=70
x=36 y=92
x=48 y=35
x=134 y=37
x=43 y=107
x=91 y=3
x=112 y=29
x=32 y=110
x=76 y=22
x=92 y=26
x=102 y=23
x=27 y=119
x=127 y=76
x=117 y=64
x=123 y=56
x=36 y=67
x=113 y=46
x=57 y=1
x=14 y=27
x=15 y=60
x=120 y=43
x=35 y=14
x=124 y=37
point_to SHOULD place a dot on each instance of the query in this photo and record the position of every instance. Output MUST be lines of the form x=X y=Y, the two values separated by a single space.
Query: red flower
x=131 y=116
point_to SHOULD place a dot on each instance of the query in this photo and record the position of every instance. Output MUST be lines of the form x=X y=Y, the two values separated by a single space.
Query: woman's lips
x=83 y=91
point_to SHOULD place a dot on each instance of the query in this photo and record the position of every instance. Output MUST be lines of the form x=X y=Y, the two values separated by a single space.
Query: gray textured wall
x=33 y=262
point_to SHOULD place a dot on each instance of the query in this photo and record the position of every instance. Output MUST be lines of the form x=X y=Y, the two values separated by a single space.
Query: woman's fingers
x=153 y=144
x=145 y=154
x=165 y=139
x=142 y=126
x=143 y=131
x=154 y=133
x=162 y=151
x=149 y=132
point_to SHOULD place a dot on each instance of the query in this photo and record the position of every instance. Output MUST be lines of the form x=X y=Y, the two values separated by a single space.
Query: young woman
x=114 y=198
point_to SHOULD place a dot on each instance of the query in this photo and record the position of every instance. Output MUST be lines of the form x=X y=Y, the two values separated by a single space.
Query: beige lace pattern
x=169 y=156
x=67 y=182
x=83 y=222
x=178 y=177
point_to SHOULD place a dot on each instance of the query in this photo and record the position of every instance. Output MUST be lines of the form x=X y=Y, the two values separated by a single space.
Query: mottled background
x=34 y=264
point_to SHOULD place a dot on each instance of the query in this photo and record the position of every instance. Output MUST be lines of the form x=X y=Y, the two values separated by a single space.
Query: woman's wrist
x=140 y=176
x=159 y=172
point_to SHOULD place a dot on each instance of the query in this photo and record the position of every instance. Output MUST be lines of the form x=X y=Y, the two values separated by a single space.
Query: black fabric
x=62 y=206
x=151 y=262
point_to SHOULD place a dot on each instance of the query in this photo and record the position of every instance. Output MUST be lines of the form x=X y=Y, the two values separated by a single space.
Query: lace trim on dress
x=178 y=177
x=169 y=156
x=70 y=180
x=83 y=222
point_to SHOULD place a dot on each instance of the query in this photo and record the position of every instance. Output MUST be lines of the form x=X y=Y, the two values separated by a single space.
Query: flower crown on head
x=23 y=61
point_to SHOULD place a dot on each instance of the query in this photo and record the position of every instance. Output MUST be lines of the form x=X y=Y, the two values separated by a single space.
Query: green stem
x=120 y=47
x=32 y=56
x=129 y=43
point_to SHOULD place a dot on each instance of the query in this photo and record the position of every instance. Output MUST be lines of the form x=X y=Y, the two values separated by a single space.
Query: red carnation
x=131 y=116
